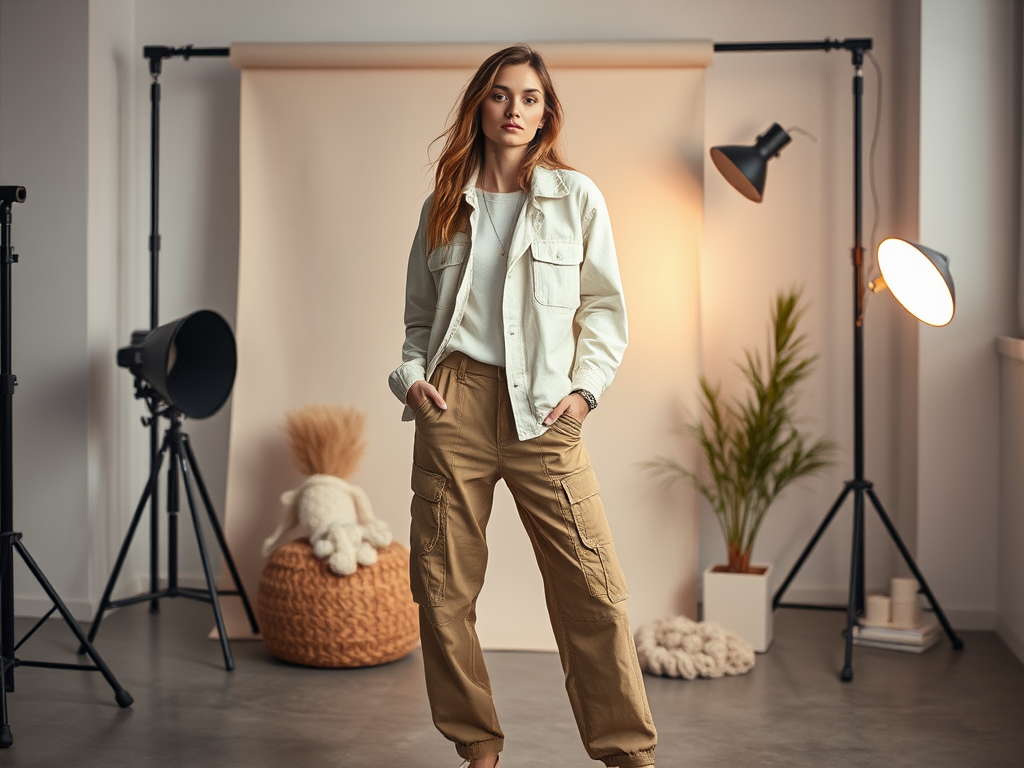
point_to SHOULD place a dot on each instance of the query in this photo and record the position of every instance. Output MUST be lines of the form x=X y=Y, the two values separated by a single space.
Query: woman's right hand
x=423 y=390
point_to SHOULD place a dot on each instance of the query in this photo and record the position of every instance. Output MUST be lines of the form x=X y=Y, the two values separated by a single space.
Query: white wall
x=1010 y=573
x=801 y=233
x=111 y=209
x=1010 y=567
x=969 y=204
x=43 y=147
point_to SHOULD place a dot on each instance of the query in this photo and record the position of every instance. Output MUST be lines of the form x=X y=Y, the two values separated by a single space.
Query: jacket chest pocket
x=556 y=273
x=446 y=264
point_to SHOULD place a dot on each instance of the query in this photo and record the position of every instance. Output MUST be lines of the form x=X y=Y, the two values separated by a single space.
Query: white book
x=919 y=635
x=904 y=647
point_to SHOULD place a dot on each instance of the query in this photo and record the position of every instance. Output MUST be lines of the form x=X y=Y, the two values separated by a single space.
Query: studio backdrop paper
x=335 y=165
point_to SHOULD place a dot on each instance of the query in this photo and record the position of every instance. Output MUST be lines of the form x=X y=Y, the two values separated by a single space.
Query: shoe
x=497 y=763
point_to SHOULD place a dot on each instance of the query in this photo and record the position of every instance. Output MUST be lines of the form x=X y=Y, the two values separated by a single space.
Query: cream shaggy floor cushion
x=679 y=647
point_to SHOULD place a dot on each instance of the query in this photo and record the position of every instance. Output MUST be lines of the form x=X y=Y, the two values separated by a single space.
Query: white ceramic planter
x=742 y=603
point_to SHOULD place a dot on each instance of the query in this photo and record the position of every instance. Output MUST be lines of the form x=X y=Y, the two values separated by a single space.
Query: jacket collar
x=546 y=182
x=549 y=182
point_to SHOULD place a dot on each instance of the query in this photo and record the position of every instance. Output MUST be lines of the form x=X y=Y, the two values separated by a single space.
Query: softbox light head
x=746 y=167
x=190 y=363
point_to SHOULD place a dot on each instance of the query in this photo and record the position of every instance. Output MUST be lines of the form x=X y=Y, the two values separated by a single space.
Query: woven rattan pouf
x=310 y=615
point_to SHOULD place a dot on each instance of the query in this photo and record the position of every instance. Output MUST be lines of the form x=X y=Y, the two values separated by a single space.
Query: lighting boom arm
x=855 y=45
x=157 y=53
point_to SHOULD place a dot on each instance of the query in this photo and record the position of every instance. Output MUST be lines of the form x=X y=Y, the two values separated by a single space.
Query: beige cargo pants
x=459 y=456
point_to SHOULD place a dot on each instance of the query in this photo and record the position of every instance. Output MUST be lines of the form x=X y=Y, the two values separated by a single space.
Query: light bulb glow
x=914 y=278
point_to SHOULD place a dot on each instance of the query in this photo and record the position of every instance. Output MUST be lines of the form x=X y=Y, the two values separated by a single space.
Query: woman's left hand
x=573 y=404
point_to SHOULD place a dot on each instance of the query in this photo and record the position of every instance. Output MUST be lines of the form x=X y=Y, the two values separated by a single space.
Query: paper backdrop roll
x=324 y=322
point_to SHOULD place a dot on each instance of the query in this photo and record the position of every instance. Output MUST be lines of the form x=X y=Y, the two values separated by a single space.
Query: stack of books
x=916 y=640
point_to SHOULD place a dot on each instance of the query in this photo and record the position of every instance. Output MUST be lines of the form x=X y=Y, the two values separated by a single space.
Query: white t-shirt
x=481 y=334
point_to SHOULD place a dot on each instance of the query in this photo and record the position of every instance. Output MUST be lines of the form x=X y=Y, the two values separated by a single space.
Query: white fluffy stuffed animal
x=338 y=518
x=327 y=443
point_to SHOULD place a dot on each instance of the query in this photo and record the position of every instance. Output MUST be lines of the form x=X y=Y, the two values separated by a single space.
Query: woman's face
x=514 y=109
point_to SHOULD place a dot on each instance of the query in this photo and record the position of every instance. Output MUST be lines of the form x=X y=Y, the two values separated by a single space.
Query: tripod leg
x=6 y=613
x=125 y=546
x=122 y=696
x=154 y=518
x=855 y=576
x=958 y=644
x=219 y=533
x=5 y=727
x=210 y=583
x=810 y=545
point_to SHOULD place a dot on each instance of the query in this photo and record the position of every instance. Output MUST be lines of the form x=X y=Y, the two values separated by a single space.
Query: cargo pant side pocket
x=595 y=548
x=427 y=537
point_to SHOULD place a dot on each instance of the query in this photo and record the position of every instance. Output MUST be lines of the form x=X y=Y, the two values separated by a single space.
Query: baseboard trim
x=983 y=619
x=961 y=618
x=35 y=607
x=1013 y=641
x=84 y=610
x=824 y=595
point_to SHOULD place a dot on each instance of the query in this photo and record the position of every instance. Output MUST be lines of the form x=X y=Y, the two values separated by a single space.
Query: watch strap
x=591 y=400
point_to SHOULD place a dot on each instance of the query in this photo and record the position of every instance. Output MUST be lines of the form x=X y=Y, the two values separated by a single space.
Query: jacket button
x=516 y=386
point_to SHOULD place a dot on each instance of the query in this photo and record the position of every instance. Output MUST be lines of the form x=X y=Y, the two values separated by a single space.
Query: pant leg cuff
x=630 y=759
x=479 y=749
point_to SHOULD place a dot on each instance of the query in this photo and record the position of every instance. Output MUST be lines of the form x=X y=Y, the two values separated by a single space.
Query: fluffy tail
x=377 y=532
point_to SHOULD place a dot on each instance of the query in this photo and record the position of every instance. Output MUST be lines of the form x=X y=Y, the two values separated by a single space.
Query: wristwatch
x=591 y=400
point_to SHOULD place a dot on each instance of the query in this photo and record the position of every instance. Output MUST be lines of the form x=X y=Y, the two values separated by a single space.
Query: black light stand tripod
x=183 y=460
x=161 y=404
x=10 y=540
x=861 y=488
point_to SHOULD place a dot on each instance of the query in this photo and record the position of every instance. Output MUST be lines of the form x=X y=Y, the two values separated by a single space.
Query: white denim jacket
x=563 y=309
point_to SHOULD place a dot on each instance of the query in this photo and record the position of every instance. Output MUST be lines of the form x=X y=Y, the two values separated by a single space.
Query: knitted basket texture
x=680 y=647
x=309 y=615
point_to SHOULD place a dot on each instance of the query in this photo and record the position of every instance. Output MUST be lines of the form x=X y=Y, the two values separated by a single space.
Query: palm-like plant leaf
x=752 y=449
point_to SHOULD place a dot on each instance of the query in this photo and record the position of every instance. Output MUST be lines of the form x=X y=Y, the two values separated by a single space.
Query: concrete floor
x=938 y=709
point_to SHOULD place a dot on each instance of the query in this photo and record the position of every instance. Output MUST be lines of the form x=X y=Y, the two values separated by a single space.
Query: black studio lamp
x=745 y=167
x=189 y=363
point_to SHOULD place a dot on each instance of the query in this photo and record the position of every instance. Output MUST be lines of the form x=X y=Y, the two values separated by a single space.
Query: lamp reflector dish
x=919 y=279
x=746 y=167
x=743 y=168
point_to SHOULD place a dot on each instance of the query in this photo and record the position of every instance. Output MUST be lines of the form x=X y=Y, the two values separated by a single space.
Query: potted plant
x=752 y=449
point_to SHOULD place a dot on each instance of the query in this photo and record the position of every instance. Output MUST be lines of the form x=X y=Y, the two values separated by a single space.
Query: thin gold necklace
x=515 y=218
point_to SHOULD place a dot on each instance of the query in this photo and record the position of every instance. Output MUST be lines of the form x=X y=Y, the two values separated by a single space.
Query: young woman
x=515 y=326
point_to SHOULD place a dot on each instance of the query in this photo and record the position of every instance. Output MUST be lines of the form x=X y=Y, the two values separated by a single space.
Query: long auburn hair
x=464 y=142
